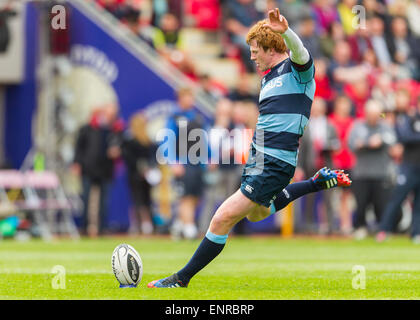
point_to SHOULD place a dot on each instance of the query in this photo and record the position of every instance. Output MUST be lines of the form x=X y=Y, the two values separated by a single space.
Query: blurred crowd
x=365 y=116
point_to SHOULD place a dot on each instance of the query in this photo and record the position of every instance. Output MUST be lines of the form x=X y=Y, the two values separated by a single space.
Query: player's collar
x=277 y=66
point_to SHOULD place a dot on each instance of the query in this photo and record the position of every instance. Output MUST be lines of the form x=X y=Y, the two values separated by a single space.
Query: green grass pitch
x=248 y=268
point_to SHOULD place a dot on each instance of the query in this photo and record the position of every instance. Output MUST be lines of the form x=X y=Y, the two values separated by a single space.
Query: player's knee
x=223 y=218
x=220 y=220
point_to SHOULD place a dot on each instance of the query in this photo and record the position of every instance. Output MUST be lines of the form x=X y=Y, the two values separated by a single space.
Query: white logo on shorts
x=249 y=189
x=272 y=200
x=286 y=193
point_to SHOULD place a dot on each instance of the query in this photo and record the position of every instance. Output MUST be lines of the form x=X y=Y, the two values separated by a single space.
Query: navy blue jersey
x=285 y=103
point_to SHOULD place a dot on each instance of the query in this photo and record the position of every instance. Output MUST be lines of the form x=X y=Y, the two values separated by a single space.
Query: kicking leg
x=323 y=179
x=235 y=208
x=287 y=195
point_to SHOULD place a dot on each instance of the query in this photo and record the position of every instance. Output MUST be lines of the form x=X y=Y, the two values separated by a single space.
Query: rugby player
x=287 y=91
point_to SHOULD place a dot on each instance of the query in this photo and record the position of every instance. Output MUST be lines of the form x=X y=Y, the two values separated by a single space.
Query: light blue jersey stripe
x=284 y=155
x=286 y=84
x=282 y=122
x=216 y=238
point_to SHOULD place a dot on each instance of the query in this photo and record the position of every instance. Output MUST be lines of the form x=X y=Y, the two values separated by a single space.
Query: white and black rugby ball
x=127 y=265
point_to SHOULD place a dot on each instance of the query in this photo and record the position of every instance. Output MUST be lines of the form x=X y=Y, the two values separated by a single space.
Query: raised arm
x=278 y=23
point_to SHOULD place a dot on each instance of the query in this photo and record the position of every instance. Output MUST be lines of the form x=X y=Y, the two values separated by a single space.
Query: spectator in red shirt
x=323 y=86
x=359 y=93
x=359 y=42
x=343 y=122
x=342 y=69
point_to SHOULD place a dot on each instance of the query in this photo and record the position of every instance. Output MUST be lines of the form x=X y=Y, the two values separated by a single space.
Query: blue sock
x=208 y=249
x=292 y=192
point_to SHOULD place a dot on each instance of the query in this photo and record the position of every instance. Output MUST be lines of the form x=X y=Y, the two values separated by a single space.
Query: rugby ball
x=127 y=265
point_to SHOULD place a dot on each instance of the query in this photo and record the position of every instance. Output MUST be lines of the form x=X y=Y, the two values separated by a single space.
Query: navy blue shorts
x=264 y=177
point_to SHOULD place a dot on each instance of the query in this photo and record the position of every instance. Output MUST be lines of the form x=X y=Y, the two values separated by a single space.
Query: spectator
x=168 y=41
x=132 y=20
x=323 y=135
x=341 y=55
x=222 y=177
x=359 y=93
x=370 y=140
x=402 y=100
x=163 y=7
x=371 y=64
x=377 y=28
x=239 y=16
x=318 y=144
x=343 y=158
x=408 y=180
x=325 y=15
x=404 y=49
x=401 y=105
x=139 y=155
x=294 y=10
x=343 y=71
x=342 y=121
x=176 y=7
x=309 y=38
x=383 y=92
x=347 y=16
x=335 y=34
x=340 y=63
x=168 y=35
x=97 y=147
x=374 y=8
x=188 y=175
x=244 y=116
x=213 y=90
x=323 y=84
x=359 y=42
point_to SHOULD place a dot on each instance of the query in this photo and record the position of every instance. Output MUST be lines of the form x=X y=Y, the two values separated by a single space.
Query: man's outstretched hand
x=276 y=21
